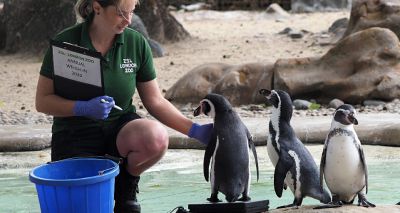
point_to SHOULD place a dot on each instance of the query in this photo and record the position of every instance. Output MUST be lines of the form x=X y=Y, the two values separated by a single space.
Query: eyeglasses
x=125 y=15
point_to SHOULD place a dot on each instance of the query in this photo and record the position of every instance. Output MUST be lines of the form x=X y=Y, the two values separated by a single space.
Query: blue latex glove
x=94 y=108
x=201 y=132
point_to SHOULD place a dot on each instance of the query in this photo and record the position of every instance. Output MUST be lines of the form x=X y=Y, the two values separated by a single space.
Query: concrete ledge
x=373 y=129
x=24 y=137
x=346 y=208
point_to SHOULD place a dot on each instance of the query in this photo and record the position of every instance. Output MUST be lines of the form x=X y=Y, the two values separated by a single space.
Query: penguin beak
x=200 y=109
x=197 y=111
x=352 y=119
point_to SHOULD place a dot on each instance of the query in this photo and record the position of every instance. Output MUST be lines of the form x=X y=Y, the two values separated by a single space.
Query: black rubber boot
x=126 y=188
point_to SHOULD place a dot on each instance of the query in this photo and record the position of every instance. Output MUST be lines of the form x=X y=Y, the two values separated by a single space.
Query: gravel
x=28 y=117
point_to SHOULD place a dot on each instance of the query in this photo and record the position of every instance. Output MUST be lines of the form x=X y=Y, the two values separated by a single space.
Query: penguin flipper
x=322 y=166
x=208 y=155
x=284 y=164
x=364 y=165
x=253 y=149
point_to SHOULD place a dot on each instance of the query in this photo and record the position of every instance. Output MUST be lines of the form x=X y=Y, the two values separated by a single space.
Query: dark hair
x=84 y=8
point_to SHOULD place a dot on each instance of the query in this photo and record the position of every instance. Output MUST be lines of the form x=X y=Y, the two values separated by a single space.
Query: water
x=178 y=181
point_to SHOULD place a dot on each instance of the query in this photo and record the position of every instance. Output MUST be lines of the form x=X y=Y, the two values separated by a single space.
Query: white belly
x=344 y=173
x=272 y=154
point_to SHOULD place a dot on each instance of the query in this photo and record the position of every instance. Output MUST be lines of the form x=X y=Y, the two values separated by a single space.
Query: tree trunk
x=2 y=27
x=160 y=24
x=31 y=24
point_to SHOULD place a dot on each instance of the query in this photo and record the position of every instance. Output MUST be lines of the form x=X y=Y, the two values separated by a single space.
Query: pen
x=115 y=106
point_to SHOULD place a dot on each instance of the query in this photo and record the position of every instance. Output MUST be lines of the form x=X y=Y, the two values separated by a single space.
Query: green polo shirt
x=128 y=61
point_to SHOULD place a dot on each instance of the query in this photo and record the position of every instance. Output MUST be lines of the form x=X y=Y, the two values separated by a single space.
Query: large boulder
x=372 y=13
x=197 y=83
x=364 y=65
x=239 y=83
x=138 y=25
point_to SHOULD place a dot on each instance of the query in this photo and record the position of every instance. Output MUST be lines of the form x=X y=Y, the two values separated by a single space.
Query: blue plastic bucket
x=76 y=185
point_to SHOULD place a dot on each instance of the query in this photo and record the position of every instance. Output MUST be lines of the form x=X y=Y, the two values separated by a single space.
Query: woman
x=94 y=127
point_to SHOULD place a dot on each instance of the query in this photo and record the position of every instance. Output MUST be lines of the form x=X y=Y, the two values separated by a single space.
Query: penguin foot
x=365 y=203
x=245 y=198
x=287 y=206
x=362 y=201
x=330 y=205
x=214 y=200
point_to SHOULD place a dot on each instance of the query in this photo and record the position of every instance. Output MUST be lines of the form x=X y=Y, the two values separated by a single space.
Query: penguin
x=343 y=164
x=228 y=149
x=294 y=165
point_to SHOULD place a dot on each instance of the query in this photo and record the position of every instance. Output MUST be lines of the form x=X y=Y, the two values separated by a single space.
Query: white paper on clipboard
x=77 y=66
x=77 y=71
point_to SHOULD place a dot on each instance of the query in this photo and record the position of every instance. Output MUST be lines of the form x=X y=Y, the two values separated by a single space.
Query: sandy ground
x=234 y=37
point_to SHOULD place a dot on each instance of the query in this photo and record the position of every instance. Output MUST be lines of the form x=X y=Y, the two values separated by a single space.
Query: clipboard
x=77 y=71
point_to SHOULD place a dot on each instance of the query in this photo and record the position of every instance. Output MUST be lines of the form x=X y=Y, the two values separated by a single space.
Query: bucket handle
x=101 y=172
x=106 y=156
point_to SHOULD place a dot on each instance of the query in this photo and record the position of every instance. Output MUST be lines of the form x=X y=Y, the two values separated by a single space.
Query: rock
x=197 y=83
x=286 y=30
x=301 y=6
x=371 y=72
x=224 y=5
x=138 y=25
x=276 y=10
x=335 y=103
x=335 y=32
x=338 y=25
x=240 y=84
x=371 y=13
x=301 y=104
x=362 y=66
x=373 y=103
x=295 y=35
x=156 y=49
x=196 y=6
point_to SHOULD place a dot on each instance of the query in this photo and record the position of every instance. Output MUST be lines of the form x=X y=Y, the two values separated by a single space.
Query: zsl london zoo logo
x=128 y=65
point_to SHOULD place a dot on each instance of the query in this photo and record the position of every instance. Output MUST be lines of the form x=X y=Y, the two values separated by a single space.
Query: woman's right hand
x=94 y=108
x=201 y=132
